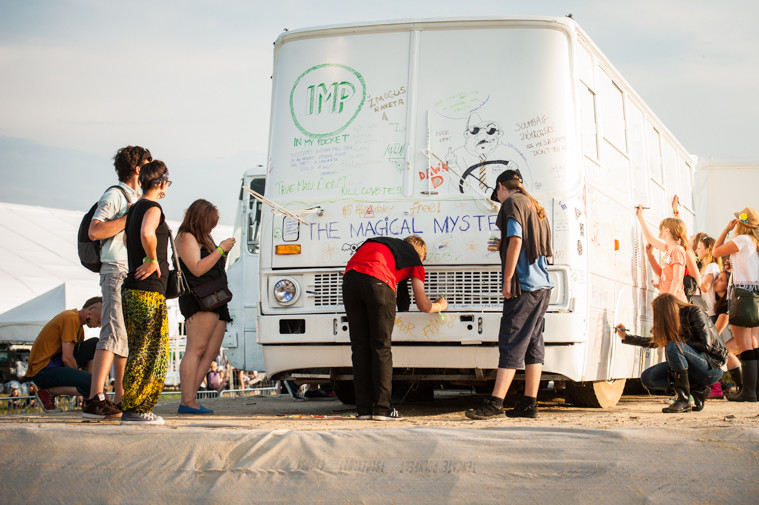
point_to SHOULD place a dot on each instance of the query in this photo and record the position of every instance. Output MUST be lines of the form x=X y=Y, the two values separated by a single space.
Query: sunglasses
x=489 y=131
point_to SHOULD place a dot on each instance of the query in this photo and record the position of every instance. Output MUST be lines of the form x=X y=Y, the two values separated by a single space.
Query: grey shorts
x=520 y=339
x=113 y=335
x=726 y=335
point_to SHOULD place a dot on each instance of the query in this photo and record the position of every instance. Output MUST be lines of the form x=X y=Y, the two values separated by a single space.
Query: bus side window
x=254 y=216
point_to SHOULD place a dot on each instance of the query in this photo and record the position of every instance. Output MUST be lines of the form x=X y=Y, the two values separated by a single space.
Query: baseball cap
x=505 y=176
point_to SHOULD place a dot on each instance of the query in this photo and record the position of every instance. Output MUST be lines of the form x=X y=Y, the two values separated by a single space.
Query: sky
x=191 y=81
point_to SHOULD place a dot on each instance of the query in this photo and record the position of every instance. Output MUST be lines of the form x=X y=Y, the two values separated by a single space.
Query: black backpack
x=89 y=250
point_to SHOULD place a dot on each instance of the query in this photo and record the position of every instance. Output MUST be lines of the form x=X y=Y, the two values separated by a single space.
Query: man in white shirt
x=107 y=225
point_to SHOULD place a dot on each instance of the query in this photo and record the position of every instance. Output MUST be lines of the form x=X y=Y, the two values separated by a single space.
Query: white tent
x=22 y=324
x=38 y=253
x=40 y=273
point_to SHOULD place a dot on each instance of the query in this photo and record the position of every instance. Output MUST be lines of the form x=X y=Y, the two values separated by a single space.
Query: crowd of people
x=705 y=316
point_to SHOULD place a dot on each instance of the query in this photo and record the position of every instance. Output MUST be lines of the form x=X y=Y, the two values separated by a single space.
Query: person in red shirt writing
x=370 y=294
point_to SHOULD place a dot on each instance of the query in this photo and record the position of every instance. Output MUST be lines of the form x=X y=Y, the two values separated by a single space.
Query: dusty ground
x=446 y=411
x=276 y=450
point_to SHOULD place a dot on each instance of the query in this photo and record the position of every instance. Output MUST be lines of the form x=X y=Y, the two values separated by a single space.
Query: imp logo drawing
x=483 y=157
x=326 y=98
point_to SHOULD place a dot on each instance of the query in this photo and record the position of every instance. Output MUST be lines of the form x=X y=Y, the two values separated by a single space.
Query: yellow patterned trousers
x=147 y=327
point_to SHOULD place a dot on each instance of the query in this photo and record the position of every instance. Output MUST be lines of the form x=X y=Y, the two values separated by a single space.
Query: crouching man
x=60 y=355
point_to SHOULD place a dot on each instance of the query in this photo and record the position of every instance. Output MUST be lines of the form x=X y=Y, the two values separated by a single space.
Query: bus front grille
x=465 y=289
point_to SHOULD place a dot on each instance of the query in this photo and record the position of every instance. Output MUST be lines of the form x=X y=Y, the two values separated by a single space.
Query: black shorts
x=520 y=339
x=188 y=306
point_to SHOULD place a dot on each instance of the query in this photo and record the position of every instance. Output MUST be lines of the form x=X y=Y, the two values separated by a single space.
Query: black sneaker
x=392 y=415
x=487 y=411
x=522 y=410
x=141 y=418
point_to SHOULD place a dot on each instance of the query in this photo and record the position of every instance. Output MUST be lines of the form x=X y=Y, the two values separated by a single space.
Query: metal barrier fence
x=24 y=405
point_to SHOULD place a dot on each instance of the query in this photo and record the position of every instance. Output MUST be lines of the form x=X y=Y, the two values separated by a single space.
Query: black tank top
x=215 y=272
x=136 y=253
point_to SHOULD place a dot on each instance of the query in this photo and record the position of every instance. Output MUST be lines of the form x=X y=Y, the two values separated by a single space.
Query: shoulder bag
x=744 y=307
x=176 y=285
x=212 y=294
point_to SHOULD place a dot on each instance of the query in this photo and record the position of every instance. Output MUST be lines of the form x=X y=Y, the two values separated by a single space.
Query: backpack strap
x=123 y=192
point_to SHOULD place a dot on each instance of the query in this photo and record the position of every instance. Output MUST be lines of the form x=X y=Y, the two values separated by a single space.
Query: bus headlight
x=286 y=291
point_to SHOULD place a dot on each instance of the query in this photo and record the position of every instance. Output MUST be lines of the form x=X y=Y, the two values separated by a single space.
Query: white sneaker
x=364 y=417
x=393 y=415
x=141 y=418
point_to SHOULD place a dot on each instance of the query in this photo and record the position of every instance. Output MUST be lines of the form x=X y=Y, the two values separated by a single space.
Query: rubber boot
x=679 y=381
x=737 y=376
x=699 y=394
x=749 y=372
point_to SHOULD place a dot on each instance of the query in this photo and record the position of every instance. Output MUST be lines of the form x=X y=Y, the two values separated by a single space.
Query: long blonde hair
x=677 y=229
x=708 y=243
x=753 y=233
x=515 y=184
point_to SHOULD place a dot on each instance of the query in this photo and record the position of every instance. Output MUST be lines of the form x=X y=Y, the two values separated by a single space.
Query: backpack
x=89 y=250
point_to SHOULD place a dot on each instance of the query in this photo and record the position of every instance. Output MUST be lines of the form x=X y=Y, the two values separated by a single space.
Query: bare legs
x=204 y=335
x=504 y=377
x=101 y=365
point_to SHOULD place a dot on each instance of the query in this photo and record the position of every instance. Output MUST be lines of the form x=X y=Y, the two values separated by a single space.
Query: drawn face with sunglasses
x=481 y=137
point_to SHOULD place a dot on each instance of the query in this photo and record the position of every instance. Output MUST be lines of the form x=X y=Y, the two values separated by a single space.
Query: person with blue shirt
x=524 y=246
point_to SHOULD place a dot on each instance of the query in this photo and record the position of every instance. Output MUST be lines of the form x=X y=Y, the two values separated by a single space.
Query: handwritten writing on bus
x=435 y=174
x=394 y=227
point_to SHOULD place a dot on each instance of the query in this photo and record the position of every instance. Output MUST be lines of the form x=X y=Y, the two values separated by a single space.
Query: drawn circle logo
x=326 y=98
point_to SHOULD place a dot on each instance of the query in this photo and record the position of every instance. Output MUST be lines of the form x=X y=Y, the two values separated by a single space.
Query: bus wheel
x=598 y=394
x=345 y=392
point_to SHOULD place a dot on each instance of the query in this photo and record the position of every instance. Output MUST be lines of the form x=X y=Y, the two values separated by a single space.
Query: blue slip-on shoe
x=183 y=409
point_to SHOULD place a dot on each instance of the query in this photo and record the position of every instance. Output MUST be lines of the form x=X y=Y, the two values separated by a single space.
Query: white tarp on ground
x=54 y=463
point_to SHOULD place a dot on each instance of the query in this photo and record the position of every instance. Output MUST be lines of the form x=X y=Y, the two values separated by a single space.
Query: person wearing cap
x=524 y=246
x=744 y=259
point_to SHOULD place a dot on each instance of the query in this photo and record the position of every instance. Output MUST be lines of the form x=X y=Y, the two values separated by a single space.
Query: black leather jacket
x=698 y=331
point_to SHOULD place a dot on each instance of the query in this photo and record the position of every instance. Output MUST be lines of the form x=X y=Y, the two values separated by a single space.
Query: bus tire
x=596 y=394
x=345 y=392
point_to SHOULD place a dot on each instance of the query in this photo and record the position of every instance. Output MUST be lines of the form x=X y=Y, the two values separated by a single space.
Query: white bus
x=401 y=128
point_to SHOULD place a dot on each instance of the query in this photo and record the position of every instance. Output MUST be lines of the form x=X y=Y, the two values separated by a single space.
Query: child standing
x=672 y=241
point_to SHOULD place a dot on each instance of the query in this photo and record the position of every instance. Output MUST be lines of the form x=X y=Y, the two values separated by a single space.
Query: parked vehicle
x=402 y=128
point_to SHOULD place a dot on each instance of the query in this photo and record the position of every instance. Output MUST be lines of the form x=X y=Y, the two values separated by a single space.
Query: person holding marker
x=524 y=245
x=373 y=283
x=693 y=350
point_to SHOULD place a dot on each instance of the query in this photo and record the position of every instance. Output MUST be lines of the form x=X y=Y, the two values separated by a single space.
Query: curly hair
x=128 y=158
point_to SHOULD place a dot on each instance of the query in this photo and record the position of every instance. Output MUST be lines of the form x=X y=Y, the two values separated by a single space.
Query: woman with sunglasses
x=144 y=298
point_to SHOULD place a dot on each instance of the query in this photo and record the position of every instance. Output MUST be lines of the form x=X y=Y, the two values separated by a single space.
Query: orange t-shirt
x=673 y=256
x=65 y=327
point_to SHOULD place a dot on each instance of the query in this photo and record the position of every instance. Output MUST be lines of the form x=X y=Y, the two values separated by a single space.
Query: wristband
x=221 y=251
x=148 y=260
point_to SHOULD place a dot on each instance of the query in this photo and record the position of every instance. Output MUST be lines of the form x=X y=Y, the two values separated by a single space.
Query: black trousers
x=370 y=307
